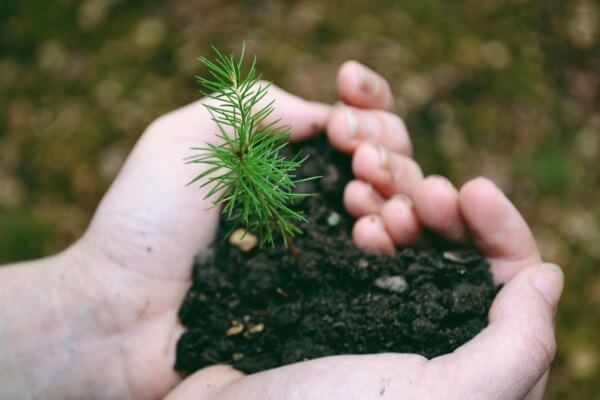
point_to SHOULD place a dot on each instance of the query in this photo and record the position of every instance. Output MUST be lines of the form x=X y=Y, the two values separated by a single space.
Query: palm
x=147 y=230
x=148 y=227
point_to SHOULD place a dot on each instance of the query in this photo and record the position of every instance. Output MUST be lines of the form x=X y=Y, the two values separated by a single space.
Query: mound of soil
x=266 y=308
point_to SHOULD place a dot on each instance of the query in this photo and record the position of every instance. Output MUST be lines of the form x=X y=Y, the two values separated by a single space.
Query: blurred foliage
x=22 y=235
x=503 y=88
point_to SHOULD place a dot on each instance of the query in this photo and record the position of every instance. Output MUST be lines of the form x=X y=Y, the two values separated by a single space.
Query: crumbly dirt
x=266 y=308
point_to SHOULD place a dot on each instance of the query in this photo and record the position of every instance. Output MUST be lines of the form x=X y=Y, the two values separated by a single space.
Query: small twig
x=294 y=251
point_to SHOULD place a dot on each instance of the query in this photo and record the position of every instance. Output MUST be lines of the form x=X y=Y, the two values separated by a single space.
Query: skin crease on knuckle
x=541 y=348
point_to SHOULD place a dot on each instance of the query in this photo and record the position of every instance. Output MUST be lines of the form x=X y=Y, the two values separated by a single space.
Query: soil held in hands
x=265 y=308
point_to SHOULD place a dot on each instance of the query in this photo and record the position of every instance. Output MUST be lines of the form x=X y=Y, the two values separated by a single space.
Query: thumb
x=508 y=358
x=305 y=118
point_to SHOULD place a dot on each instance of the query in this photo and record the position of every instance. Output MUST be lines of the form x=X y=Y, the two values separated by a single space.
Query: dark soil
x=265 y=308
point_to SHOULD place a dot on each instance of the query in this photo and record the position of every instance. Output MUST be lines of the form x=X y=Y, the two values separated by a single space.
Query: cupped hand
x=394 y=204
x=138 y=250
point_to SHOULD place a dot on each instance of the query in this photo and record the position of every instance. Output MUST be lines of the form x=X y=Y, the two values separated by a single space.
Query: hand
x=509 y=359
x=100 y=319
x=147 y=229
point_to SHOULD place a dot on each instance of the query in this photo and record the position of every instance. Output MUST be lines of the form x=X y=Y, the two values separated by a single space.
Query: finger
x=205 y=384
x=497 y=229
x=361 y=199
x=305 y=118
x=508 y=358
x=359 y=86
x=400 y=221
x=369 y=234
x=436 y=205
x=349 y=126
x=365 y=377
x=388 y=172
x=537 y=393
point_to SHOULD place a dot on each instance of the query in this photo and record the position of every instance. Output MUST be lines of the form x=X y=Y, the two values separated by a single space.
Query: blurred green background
x=507 y=89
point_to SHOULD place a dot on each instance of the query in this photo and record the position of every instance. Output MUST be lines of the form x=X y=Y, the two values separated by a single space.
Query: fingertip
x=361 y=199
x=400 y=221
x=369 y=155
x=369 y=162
x=479 y=190
x=390 y=173
x=436 y=204
x=549 y=279
x=341 y=129
x=369 y=234
x=360 y=86
x=348 y=76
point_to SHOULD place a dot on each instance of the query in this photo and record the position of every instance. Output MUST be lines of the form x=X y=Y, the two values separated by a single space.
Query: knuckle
x=397 y=131
x=542 y=349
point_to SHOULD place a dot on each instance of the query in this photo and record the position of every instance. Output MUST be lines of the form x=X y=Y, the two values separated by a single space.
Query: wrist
x=28 y=294
x=46 y=323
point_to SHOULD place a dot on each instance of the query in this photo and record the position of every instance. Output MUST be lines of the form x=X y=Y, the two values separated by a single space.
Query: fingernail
x=548 y=280
x=368 y=81
x=384 y=157
x=351 y=121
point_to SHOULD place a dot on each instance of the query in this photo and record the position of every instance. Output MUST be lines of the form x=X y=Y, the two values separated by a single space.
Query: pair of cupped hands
x=135 y=265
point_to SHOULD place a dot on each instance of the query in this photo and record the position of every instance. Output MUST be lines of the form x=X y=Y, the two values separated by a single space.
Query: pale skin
x=99 y=320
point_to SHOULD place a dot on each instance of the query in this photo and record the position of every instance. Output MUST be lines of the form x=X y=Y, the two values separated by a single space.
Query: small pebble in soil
x=256 y=328
x=333 y=219
x=396 y=284
x=243 y=239
x=461 y=256
x=235 y=329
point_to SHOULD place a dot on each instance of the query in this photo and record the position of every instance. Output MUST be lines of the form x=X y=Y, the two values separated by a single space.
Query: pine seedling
x=246 y=173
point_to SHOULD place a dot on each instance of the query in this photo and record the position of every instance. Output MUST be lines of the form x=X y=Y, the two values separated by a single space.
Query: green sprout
x=246 y=173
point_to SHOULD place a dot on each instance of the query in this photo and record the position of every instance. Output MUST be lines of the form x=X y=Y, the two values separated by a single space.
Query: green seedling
x=246 y=173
